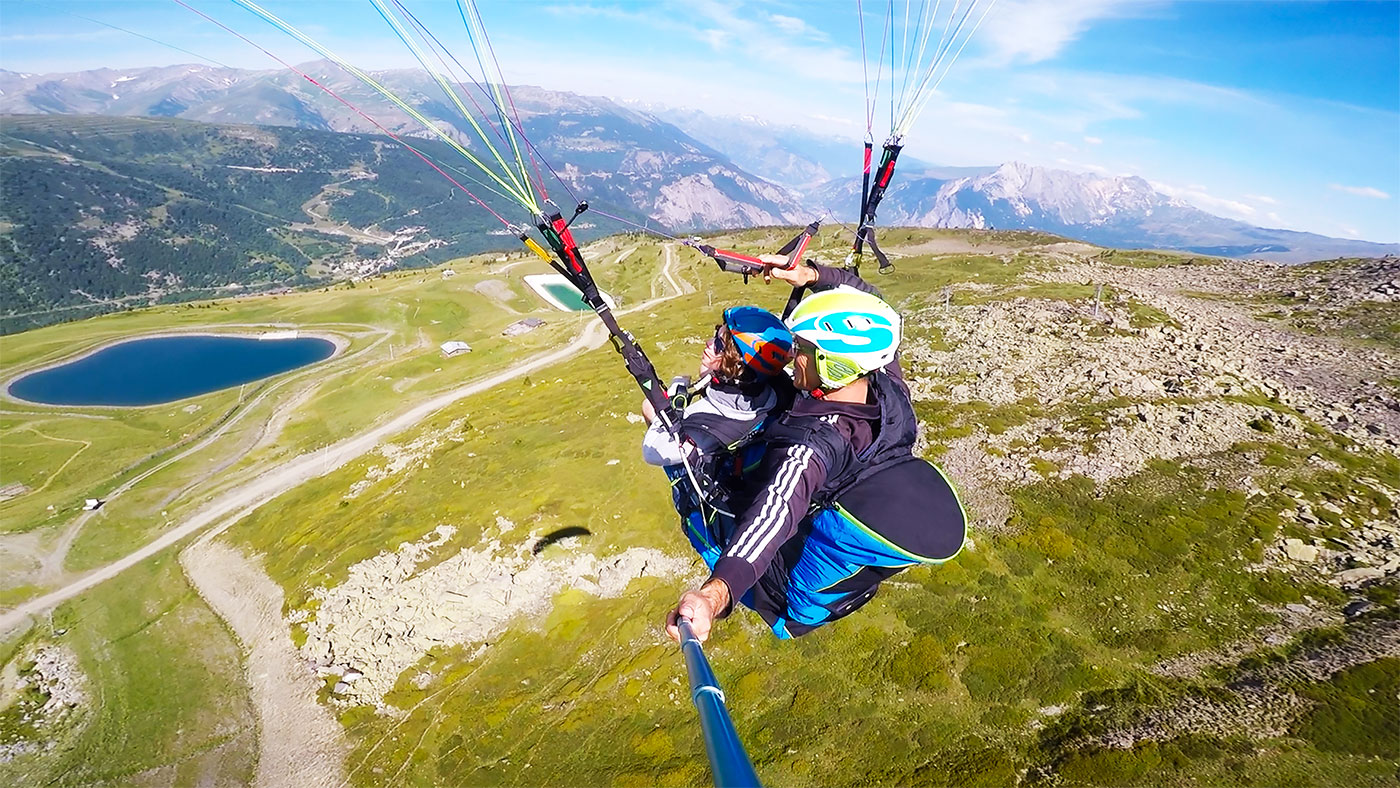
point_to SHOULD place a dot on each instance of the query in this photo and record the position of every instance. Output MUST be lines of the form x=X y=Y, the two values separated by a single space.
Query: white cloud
x=727 y=27
x=1264 y=198
x=1361 y=191
x=796 y=27
x=718 y=40
x=1351 y=232
x=1079 y=165
x=1093 y=140
x=1274 y=217
x=1199 y=197
x=1035 y=30
x=832 y=119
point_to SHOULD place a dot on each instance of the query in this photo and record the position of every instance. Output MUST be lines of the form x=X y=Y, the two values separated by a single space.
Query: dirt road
x=681 y=287
x=299 y=740
x=241 y=501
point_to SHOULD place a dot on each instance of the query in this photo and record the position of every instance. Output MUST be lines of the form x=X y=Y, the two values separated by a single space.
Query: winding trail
x=243 y=500
x=681 y=287
x=299 y=740
x=85 y=446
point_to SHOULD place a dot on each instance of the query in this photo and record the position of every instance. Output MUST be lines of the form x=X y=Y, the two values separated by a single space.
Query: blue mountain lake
x=164 y=369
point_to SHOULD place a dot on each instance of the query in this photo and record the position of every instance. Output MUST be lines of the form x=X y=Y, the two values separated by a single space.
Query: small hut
x=522 y=326
x=455 y=347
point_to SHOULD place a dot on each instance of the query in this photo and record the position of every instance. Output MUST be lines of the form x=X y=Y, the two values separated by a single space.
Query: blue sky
x=1282 y=114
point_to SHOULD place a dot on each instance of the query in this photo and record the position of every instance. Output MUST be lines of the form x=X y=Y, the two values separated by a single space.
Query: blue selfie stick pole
x=728 y=761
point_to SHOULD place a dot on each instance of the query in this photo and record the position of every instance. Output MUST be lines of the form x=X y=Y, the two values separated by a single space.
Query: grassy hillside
x=1131 y=609
x=100 y=214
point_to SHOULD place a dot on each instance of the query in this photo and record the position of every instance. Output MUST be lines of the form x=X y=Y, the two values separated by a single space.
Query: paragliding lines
x=912 y=80
x=520 y=195
x=927 y=79
x=518 y=177
x=152 y=40
x=906 y=104
x=352 y=107
x=438 y=50
x=476 y=30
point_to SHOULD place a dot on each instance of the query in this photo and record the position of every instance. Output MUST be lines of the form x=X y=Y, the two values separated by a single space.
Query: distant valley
x=170 y=202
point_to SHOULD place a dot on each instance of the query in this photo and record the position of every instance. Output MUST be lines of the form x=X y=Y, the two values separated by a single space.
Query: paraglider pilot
x=841 y=502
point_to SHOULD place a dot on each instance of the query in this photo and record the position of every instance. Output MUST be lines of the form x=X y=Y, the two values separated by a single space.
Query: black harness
x=902 y=497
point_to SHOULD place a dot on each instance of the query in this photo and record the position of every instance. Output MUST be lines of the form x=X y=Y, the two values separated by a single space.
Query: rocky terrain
x=41 y=690
x=1174 y=363
x=394 y=607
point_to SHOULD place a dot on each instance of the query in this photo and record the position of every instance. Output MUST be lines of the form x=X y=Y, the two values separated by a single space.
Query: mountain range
x=615 y=156
x=1123 y=212
x=685 y=169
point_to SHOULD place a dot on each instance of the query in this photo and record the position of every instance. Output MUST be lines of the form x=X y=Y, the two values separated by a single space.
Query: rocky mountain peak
x=1069 y=197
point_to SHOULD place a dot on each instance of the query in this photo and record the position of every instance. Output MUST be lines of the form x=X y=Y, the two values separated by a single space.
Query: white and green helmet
x=854 y=333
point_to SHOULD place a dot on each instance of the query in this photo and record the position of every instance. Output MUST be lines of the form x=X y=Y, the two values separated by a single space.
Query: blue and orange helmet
x=762 y=340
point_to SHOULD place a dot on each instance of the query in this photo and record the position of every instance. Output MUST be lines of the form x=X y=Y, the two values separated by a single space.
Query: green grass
x=165 y=688
x=1355 y=712
x=1349 y=725
x=940 y=680
x=39 y=444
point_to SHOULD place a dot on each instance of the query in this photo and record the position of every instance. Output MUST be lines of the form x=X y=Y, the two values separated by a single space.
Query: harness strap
x=571 y=265
x=794 y=298
x=885 y=265
x=870 y=203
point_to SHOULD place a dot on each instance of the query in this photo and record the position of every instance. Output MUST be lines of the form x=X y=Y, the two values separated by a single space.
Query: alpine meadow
x=1035 y=474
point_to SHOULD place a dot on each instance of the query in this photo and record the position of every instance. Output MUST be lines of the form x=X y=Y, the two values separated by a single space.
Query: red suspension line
x=353 y=108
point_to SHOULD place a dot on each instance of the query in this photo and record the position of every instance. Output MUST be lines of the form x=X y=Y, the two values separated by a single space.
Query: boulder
x=1358 y=576
x=1300 y=551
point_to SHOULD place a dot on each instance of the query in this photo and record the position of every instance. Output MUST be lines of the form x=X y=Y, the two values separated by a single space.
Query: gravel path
x=299 y=741
x=243 y=500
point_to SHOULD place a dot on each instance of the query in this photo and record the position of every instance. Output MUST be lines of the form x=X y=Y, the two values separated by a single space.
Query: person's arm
x=794 y=475
x=817 y=277
x=660 y=447
x=829 y=277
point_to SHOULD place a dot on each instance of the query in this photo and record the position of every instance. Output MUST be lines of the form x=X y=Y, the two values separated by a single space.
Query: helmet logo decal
x=848 y=332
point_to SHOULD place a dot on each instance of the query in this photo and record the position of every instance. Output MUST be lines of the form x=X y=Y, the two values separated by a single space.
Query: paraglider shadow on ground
x=554 y=537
